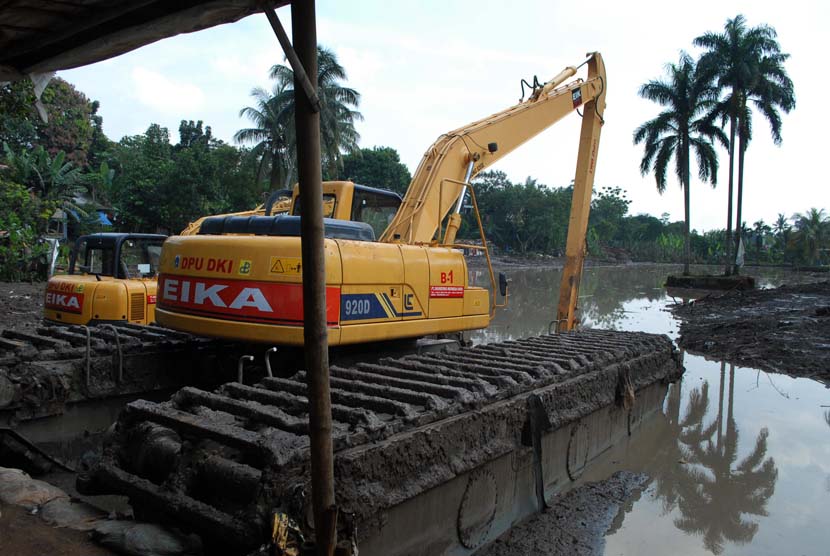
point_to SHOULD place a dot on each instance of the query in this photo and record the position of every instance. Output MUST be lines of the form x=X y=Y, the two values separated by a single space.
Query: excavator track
x=434 y=453
x=45 y=370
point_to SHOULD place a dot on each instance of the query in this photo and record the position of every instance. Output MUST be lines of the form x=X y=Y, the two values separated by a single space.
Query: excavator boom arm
x=461 y=154
x=580 y=206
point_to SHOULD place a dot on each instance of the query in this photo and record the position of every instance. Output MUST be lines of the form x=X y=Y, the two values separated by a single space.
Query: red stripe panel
x=261 y=301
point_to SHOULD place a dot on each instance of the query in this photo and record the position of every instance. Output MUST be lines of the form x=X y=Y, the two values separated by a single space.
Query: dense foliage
x=377 y=167
x=22 y=219
x=531 y=218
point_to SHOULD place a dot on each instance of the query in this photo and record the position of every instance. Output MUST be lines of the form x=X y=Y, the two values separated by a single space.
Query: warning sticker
x=446 y=291
x=286 y=265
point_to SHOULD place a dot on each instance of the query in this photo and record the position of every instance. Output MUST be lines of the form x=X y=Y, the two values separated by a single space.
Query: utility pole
x=315 y=333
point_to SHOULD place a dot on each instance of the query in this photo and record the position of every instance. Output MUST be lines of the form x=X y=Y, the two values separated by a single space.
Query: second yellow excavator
x=393 y=268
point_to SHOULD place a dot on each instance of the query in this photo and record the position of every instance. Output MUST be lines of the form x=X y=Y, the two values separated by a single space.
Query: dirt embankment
x=21 y=305
x=531 y=260
x=783 y=330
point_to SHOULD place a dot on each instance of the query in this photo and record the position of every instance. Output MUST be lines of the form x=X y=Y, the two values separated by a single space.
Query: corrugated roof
x=38 y=36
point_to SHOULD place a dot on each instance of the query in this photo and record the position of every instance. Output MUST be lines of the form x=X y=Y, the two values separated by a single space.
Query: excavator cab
x=344 y=200
x=350 y=211
x=112 y=278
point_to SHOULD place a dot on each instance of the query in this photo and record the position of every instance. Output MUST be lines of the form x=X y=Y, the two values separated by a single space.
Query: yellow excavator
x=393 y=267
x=112 y=276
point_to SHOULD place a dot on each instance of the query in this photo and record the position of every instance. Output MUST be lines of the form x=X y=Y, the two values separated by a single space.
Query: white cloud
x=164 y=94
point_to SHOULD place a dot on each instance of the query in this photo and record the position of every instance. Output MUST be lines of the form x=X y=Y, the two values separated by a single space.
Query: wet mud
x=576 y=523
x=21 y=304
x=783 y=330
x=25 y=534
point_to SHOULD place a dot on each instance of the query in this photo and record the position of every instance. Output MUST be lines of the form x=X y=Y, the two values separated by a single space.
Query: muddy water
x=739 y=459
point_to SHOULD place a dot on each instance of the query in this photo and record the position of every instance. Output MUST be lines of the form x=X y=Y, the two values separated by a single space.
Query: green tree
x=812 y=234
x=377 y=167
x=525 y=218
x=682 y=127
x=272 y=135
x=69 y=127
x=760 y=231
x=749 y=68
x=22 y=218
x=782 y=230
x=55 y=181
x=163 y=187
x=18 y=124
x=338 y=108
x=144 y=164
x=100 y=146
x=608 y=209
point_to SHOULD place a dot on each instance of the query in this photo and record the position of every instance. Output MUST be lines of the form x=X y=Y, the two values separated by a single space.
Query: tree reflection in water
x=713 y=491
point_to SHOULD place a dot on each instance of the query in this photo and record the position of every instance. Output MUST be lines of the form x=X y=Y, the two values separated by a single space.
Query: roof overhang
x=43 y=36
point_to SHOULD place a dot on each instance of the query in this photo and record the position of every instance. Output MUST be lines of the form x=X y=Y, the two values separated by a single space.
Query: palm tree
x=813 y=233
x=760 y=230
x=273 y=134
x=337 y=108
x=687 y=96
x=781 y=228
x=749 y=67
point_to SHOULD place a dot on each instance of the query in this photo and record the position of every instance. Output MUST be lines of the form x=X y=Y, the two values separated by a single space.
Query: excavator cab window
x=375 y=207
x=329 y=203
x=140 y=257
x=95 y=258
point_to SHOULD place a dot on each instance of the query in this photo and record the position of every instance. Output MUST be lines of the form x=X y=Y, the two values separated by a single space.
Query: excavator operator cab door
x=376 y=207
x=93 y=255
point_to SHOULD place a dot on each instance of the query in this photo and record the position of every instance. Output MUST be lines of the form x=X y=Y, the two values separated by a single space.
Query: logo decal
x=244 y=267
x=576 y=97
x=244 y=300
x=69 y=302
x=176 y=261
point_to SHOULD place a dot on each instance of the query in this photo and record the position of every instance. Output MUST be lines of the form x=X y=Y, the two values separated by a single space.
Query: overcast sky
x=427 y=67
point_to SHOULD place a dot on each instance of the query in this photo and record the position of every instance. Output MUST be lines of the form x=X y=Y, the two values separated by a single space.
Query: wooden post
x=315 y=336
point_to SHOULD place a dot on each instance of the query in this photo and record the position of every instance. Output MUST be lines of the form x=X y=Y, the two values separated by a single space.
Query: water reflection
x=609 y=297
x=604 y=296
x=740 y=462
x=712 y=492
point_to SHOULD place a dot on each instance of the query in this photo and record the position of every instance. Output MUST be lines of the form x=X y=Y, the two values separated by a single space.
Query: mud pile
x=783 y=330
